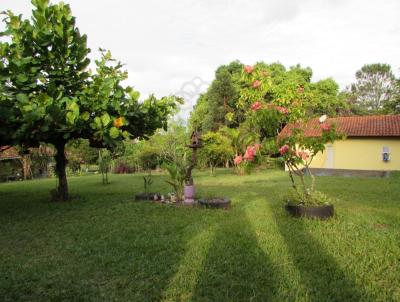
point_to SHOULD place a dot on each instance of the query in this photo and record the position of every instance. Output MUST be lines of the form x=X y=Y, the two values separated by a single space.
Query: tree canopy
x=375 y=88
x=226 y=100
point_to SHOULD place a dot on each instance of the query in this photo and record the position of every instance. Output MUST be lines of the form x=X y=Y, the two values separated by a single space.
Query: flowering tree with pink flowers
x=269 y=109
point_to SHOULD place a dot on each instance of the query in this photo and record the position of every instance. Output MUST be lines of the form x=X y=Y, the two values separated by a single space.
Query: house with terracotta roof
x=371 y=146
x=14 y=165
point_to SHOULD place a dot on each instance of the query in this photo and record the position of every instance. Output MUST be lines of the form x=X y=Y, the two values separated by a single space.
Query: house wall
x=360 y=154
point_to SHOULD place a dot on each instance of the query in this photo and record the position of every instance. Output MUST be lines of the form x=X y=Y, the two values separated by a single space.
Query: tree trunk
x=26 y=166
x=61 y=163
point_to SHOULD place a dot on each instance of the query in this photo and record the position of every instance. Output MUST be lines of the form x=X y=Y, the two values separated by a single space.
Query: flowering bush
x=298 y=151
x=269 y=108
x=244 y=163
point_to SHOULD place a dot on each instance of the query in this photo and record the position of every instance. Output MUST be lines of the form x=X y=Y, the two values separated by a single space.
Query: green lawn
x=103 y=246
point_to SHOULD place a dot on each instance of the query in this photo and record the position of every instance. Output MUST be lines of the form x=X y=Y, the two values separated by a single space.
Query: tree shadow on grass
x=126 y=252
x=235 y=267
x=319 y=271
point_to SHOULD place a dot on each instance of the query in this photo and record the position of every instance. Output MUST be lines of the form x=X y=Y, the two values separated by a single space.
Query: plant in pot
x=288 y=107
x=298 y=151
x=147 y=183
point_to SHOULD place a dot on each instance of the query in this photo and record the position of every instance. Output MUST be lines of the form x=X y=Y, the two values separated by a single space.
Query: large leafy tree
x=48 y=94
x=375 y=87
x=213 y=106
x=227 y=100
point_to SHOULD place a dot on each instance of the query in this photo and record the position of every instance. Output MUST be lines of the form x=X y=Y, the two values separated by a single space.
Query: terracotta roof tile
x=355 y=126
x=7 y=152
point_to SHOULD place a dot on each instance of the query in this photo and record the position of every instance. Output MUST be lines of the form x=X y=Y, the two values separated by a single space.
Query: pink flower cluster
x=284 y=149
x=282 y=110
x=303 y=155
x=248 y=69
x=238 y=159
x=256 y=84
x=325 y=127
x=256 y=106
x=249 y=155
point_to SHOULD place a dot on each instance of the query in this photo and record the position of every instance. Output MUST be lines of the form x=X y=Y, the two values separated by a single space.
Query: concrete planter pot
x=189 y=191
x=146 y=196
x=216 y=203
x=318 y=212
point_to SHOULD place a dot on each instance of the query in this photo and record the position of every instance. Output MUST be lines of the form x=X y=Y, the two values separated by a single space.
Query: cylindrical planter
x=319 y=212
x=216 y=203
x=189 y=192
x=146 y=196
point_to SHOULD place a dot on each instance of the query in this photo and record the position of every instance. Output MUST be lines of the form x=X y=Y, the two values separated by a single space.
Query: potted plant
x=298 y=151
x=215 y=203
x=269 y=109
x=147 y=183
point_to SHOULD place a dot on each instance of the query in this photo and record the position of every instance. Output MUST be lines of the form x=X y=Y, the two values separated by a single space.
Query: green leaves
x=85 y=116
x=70 y=117
x=114 y=132
x=105 y=119
x=73 y=110
x=22 y=98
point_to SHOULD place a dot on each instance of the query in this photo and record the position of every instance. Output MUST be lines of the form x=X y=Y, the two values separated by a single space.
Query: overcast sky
x=166 y=44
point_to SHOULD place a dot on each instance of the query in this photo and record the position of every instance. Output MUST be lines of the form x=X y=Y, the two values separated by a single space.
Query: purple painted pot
x=189 y=192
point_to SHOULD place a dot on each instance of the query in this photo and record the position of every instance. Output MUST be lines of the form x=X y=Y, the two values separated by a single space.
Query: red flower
x=325 y=127
x=238 y=159
x=284 y=149
x=256 y=84
x=256 y=106
x=248 y=69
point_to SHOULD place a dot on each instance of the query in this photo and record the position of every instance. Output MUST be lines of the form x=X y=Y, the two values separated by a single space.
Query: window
x=385 y=154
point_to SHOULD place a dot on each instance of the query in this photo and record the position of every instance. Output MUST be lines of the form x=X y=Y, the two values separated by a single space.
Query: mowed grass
x=103 y=246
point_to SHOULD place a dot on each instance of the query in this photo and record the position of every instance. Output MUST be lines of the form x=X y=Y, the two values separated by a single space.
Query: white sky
x=166 y=44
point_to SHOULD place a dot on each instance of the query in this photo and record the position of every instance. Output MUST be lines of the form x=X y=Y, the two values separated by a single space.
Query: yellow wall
x=360 y=154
